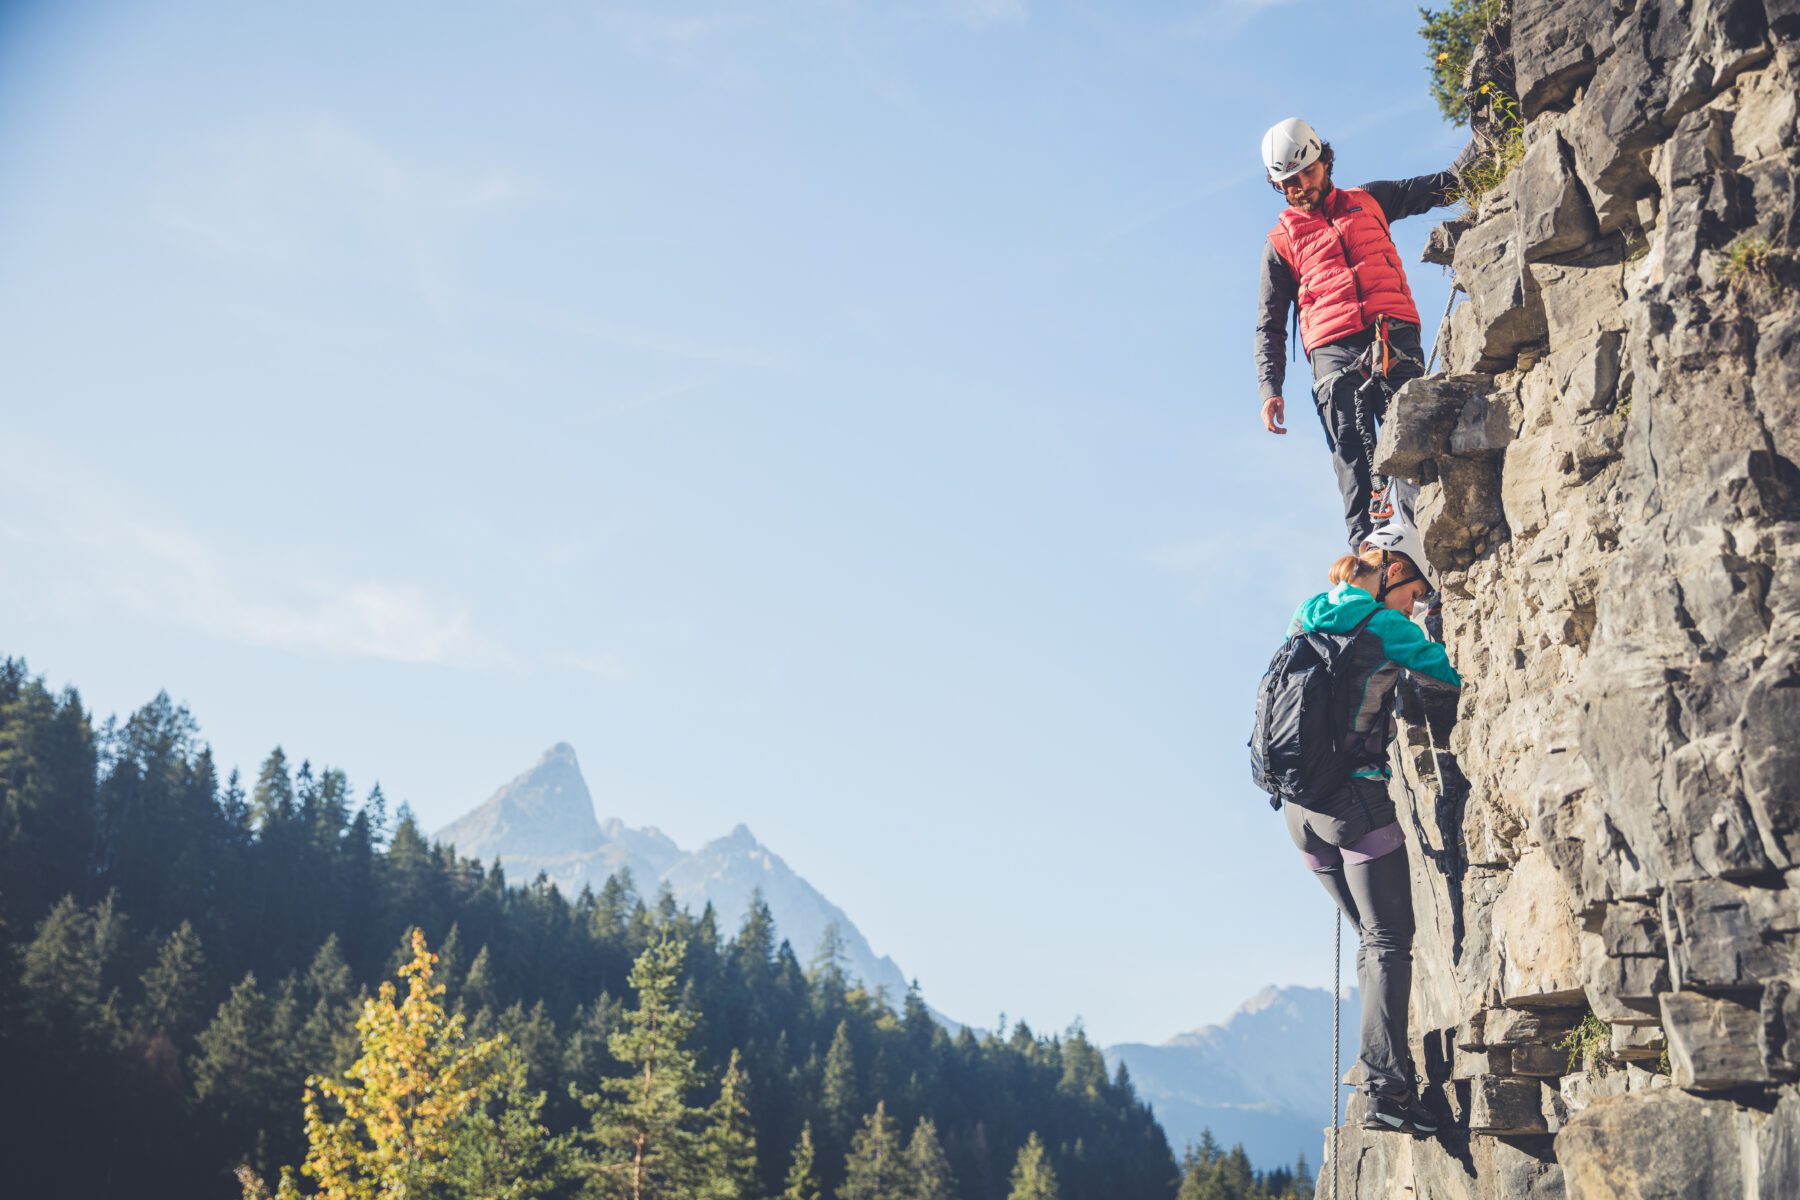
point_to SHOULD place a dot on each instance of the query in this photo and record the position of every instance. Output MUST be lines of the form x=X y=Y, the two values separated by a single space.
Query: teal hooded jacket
x=1387 y=645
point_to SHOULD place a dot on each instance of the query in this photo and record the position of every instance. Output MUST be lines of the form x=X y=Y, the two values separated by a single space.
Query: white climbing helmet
x=1289 y=148
x=1399 y=534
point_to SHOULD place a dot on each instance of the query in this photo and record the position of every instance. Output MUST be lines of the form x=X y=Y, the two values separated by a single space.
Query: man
x=1331 y=255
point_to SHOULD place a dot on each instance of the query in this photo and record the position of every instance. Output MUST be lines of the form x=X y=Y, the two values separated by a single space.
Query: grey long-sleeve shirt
x=1278 y=289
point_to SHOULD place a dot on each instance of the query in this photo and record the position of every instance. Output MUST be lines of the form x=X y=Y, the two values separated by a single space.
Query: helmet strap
x=1385 y=586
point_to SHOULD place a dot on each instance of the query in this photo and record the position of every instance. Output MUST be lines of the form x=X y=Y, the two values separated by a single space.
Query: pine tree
x=477 y=991
x=272 y=800
x=586 y=1050
x=1199 y=1172
x=838 y=1091
x=613 y=908
x=876 y=1168
x=327 y=1040
x=1236 y=1174
x=503 y=1152
x=731 y=1139
x=928 y=1165
x=827 y=971
x=802 y=1183
x=48 y=806
x=533 y=1035
x=643 y=1128
x=1032 y=1176
x=375 y=807
x=62 y=970
x=238 y=1067
x=173 y=986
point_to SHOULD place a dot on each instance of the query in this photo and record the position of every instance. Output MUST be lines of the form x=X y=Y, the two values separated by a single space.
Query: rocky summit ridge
x=1606 y=832
x=544 y=821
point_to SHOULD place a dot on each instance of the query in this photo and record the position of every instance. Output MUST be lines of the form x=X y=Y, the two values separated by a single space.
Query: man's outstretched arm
x=1275 y=294
x=1422 y=193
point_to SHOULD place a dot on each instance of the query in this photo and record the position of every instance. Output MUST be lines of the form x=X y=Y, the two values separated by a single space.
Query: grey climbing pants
x=1368 y=879
x=1337 y=413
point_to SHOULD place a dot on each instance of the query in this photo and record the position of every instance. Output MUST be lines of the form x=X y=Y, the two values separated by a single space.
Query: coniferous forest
x=204 y=981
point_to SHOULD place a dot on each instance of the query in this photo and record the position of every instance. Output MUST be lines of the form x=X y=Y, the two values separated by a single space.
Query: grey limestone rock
x=1726 y=935
x=1713 y=1041
x=1555 y=47
x=1656 y=1145
x=1780 y=1032
x=1555 y=216
x=1504 y=304
x=1507 y=1105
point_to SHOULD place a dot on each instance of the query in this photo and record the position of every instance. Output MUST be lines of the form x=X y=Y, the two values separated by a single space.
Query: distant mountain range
x=544 y=821
x=1261 y=1078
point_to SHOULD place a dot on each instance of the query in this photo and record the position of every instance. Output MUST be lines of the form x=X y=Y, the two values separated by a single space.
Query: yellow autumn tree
x=424 y=1112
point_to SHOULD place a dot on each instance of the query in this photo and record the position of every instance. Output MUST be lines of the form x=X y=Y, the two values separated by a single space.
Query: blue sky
x=836 y=417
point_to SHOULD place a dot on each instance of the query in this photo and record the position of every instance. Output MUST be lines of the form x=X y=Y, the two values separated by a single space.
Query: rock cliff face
x=1609 y=488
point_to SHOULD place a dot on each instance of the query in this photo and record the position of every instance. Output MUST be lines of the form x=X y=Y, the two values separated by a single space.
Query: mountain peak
x=547 y=811
x=1269 y=996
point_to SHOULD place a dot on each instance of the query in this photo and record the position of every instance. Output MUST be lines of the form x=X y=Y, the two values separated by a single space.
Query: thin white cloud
x=318 y=195
x=74 y=541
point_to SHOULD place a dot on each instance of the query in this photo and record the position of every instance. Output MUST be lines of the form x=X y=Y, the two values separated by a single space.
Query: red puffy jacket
x=1346 y=266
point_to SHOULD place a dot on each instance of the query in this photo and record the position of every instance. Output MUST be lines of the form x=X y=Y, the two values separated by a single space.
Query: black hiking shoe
x=1399 y=1114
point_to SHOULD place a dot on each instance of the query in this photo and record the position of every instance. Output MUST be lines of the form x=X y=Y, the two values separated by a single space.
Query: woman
x=1352 y=839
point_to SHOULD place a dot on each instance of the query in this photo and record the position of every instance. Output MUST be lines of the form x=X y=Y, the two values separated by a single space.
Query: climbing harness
x=1337 y=959
x=1375 y=364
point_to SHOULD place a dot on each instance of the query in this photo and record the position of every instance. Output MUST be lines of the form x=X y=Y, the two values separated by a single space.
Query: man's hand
x=1274 y=414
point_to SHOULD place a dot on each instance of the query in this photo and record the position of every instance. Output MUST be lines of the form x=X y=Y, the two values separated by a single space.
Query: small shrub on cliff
x=1754 y=261
x=1451 y=36
x=1586 y=1043
x=1501 y=152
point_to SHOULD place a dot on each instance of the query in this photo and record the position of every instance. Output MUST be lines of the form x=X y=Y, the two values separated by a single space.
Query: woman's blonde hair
x=1351 y=567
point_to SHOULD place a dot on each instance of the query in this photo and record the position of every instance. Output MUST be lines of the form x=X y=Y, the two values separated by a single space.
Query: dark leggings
x=1337 y=413
x=1376 y=894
